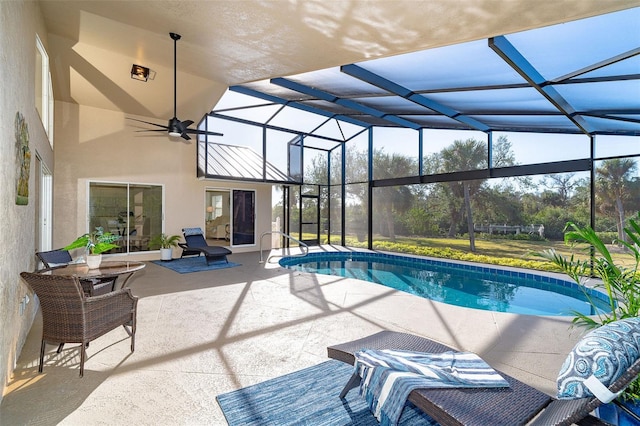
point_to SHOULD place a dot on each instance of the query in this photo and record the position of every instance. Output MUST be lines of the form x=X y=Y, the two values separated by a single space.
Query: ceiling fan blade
x=185 y=136
x=203 y=132
x=148 y=122
x=153 y=130
x=186 y=123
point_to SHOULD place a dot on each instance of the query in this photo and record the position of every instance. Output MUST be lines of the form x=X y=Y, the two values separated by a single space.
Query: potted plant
x=620 y=283
x=165 y=243
x=95 y=243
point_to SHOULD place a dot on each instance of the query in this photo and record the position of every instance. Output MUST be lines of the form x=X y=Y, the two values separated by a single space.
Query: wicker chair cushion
x=606 y=353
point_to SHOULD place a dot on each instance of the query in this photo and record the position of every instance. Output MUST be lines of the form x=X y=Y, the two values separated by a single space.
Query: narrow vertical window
x=43 y=89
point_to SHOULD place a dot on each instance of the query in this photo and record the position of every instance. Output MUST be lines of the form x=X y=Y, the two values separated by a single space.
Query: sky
x=528 y=148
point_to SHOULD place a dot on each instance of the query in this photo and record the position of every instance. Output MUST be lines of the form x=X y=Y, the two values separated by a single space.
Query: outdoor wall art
x=23 y=161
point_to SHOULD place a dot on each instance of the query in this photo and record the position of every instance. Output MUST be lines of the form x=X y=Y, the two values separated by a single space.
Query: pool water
x=469 y=286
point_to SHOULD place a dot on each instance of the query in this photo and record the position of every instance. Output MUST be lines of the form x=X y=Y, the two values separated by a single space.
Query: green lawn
x=518 y=253
x=519 y=249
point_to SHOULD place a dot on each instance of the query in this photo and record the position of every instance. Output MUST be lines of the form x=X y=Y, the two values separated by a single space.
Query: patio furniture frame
x=195 y=245
x=520 y=404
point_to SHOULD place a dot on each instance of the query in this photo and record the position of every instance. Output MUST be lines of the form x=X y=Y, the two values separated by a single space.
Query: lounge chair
x=91 y=287
x=519 y=404
x=195 y=245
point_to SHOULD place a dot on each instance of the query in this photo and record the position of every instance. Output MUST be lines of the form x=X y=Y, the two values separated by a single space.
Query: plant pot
x=93 y=261
x=166 y=253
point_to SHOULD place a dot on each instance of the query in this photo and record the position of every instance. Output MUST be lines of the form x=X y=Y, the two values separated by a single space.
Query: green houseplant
x=95 y=243
x=621 y=284
x=165 y=243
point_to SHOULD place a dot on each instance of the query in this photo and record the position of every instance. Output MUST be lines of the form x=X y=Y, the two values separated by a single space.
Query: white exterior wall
x=19 y=23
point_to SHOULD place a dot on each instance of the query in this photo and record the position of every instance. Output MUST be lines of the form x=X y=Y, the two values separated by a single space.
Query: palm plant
x=621 y=284
x=164 y=241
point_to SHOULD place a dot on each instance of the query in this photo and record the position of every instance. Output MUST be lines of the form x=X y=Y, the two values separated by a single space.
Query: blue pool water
x=470 y=286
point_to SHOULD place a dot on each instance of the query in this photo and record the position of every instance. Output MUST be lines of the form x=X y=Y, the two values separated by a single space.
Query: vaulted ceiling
x=93 y=44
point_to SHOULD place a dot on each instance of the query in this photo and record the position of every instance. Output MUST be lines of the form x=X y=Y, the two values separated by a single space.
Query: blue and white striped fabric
x=389 y=376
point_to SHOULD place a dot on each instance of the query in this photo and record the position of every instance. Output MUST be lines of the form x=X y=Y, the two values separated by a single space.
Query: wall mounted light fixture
x=138 y=72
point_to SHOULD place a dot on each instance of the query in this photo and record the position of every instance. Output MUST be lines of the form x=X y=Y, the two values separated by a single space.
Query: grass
x=516 y=253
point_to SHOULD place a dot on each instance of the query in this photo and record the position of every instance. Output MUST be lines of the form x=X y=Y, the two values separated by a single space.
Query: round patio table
x=122 y=270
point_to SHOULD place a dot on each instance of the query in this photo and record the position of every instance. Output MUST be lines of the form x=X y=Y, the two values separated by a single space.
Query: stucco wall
x=19 y=23
x=98 y=144
x=90 y=144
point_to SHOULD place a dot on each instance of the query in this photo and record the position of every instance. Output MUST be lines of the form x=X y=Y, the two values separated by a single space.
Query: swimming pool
x=470 y=286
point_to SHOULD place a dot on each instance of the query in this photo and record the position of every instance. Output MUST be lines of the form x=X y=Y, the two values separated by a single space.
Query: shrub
x=449 y=253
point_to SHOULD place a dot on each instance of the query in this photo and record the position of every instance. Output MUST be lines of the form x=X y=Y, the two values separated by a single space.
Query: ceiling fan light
x=174 y=128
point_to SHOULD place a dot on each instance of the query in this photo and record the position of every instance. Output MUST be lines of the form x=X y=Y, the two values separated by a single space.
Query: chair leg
x=353 y=382
x=83 y=355
x=60 y=346
x=133 y=335
x=41 y=356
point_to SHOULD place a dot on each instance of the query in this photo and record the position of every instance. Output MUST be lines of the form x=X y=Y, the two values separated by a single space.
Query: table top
x=108 y=268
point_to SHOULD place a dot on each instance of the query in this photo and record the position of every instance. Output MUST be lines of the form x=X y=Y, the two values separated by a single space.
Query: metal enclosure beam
x=348 y=103
x=512 y=56
x=295 y=104
x=390 y=86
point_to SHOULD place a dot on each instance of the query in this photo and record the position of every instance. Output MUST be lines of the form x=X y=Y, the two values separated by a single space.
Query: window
x=216 y=206
x=131 y=210
x=44 y=89
x=43 y=193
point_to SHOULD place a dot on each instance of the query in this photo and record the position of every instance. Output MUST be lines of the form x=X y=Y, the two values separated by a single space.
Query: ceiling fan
x=175 y=127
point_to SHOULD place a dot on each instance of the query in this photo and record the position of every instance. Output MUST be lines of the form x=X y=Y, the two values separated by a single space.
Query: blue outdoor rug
x=193 y=264
x=307 y=397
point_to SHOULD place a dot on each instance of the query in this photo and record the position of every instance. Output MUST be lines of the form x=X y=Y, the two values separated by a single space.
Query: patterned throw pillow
x=605 y=353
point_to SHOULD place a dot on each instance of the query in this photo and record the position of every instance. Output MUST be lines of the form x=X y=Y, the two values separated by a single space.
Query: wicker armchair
x=68 y=316
x=91 y=287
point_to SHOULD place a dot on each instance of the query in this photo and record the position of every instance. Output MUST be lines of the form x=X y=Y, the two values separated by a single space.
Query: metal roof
x=237 y=162
x=579 y=77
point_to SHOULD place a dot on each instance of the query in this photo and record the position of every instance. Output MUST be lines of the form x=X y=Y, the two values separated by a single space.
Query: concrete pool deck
x=206 y=333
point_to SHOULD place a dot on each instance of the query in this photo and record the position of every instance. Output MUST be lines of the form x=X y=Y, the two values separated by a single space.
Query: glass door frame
x=310 y=241
x=236 y=225
x=127 y=227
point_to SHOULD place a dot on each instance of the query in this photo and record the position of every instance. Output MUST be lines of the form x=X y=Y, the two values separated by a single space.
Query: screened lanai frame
x=579 y=78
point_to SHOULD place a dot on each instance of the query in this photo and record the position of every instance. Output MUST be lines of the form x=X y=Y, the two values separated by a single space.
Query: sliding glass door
x=133 y=211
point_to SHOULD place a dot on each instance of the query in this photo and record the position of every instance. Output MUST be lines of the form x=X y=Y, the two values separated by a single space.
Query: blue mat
x=193 y=264
x=307 y=397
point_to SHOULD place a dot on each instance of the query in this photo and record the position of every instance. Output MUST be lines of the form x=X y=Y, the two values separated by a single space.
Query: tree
x=563 y=184
x=614 y=181
x=394 y=200
x=461 y=156
x=467 y=155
